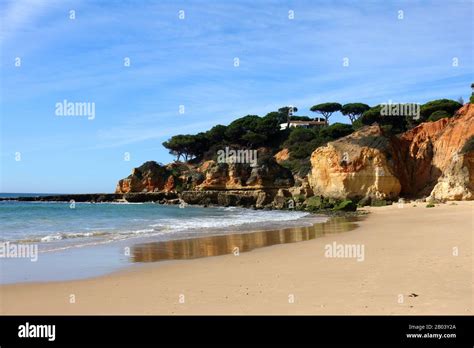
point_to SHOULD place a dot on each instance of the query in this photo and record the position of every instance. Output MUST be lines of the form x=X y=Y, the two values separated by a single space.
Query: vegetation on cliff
x=253 y=132
x=302 y=142
x=468 y=146
x=315 y=166
x=430 y=111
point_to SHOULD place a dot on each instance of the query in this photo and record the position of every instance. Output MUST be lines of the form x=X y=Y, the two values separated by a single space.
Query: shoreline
x=101 y=255
x=408 y=253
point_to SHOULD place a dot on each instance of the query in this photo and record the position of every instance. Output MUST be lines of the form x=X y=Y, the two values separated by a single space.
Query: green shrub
x=438 y=115
x=336 y=131
x=346 y=205
x=390 y=124
x=300 y=118
x=317 y=202
x=450 y=106
x=299 y=198
x=314 y=203
x=430 y=205
x=468 y=146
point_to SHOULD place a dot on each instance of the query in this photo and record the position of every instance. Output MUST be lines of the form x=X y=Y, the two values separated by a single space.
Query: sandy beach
x=416 y=260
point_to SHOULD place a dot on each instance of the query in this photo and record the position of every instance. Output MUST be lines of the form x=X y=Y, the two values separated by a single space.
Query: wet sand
x=417 y=260
x=237 y=243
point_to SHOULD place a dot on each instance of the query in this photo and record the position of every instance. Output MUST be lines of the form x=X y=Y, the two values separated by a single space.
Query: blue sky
x=190 y=62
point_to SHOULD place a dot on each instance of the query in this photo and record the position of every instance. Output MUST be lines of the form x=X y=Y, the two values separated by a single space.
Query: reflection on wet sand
x=232 y=243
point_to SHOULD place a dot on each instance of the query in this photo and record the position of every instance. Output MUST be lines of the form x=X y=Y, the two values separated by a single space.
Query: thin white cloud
x=20 y=15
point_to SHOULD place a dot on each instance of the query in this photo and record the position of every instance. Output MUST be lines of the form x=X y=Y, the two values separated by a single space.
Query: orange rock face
x=431 y=159
x=456 y=165
x=425 y=153
x=170 y=184
x=425 y=161
x=208 y=175
x=218 y=176
x=355 y=166
x=282 y=155
x=149 y=177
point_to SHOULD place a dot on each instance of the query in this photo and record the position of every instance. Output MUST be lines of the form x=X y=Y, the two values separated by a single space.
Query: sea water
x=86 y=239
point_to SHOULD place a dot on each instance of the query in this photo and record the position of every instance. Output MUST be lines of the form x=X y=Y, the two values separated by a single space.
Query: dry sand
x=408 y=259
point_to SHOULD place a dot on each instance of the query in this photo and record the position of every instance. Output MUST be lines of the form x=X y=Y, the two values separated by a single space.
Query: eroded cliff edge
x=434 y=160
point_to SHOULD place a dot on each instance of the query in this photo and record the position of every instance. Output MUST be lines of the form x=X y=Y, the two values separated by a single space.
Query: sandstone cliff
x=434 y=159
x=149 y=177
x=454 y=156
x=427 y=160
x=356 y=166
x=457 y=181
x=208 y=175
x=429 y=156
x=222 y=176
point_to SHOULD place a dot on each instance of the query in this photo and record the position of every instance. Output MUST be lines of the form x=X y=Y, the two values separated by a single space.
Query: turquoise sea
x=97 y=232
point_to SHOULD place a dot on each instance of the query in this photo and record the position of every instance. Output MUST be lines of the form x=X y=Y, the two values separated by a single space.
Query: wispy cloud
x=21 y=16
x=191 y=62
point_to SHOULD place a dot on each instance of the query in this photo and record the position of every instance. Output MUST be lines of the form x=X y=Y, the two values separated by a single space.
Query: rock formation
x=454 y=156
x=434 y=159
x=149 y=177
x=355 y=166
x=427 y=160
x=430 y=156
x=220 y=176
x=209 y=182
x=457 y=181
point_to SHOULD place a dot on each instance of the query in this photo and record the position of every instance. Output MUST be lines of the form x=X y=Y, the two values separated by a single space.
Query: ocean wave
x=62 y=236
x=211 y=223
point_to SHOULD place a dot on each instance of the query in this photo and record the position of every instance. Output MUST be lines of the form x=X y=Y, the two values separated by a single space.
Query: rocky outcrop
x=76 y=198
x=267 y=174
x=149 y=177
x=457 y=181
x=414 y=158
x=430 y=161
x=250 y=198
x=220 y=176
x=209 y=183
x=304 y=190
x=282 y=156
x=208 y=175
x=160 y=197
x=427 y=160
x=356 y=166
x=454 y=156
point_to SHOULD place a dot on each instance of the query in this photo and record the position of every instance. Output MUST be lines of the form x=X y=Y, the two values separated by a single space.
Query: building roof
x=304 y=123
x=308 y=122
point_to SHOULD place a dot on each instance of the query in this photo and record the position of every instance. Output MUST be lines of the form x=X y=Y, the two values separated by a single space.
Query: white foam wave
x=179 y=227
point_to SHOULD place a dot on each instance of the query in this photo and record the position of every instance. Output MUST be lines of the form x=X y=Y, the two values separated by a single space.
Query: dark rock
x=346 y=205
